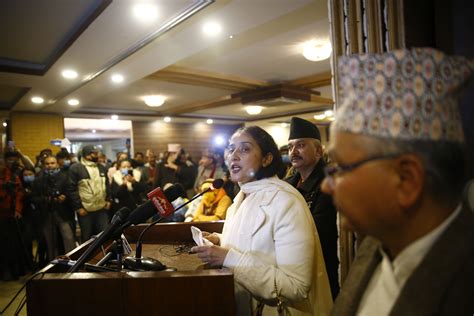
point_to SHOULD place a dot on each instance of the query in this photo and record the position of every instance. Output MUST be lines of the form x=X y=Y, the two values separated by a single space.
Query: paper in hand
x=198 y=239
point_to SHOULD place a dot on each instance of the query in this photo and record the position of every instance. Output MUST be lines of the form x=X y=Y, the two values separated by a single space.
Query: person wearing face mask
x=64 y=160
x=214 y=204
x=49 y=195
x=269 y=240
x=126 y=188
x=88 y=189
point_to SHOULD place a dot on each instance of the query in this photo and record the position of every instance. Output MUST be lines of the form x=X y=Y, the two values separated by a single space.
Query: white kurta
x=273 y=239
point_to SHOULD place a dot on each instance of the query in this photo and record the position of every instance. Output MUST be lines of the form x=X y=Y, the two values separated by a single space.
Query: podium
x=191 y=290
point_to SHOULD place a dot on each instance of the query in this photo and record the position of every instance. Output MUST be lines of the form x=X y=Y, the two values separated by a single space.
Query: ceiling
x=256 y=59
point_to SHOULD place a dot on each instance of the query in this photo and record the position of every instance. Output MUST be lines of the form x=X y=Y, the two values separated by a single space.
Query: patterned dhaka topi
x=403 y=94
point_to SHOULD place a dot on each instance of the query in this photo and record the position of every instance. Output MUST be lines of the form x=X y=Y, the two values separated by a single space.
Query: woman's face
x=244 y=158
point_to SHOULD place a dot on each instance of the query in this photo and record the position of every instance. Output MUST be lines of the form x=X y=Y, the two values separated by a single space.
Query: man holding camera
x=49 y=195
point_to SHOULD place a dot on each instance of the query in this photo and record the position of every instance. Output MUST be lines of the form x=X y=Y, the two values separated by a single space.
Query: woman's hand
x=212 y=237
x=211 y=255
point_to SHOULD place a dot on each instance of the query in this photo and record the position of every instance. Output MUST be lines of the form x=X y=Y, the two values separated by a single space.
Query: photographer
x=13 y=259
x=49 y=195
x=127 y=188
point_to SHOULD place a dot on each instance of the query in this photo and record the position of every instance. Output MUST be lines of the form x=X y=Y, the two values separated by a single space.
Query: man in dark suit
x=399 y=147
x=305 y=151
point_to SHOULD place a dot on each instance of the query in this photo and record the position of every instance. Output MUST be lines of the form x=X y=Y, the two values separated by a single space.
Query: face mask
x=124 y=171
x=67 y=163
x=94 y=159
x=285 y=158
x=29 y=179
x=52 y=172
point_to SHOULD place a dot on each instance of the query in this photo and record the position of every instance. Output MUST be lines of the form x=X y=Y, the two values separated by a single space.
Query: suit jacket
x=442 y=284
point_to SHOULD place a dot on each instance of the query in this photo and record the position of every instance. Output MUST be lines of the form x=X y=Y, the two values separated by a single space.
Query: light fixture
x=4 y=124
x=145 y=12
x=154 y=100
x=320 y=117
x=73 y=102
x=167 y=119
x=284 y=125
x=254 y=109
x=37 y=100
x=117 y=78
x=209 y=121
x=317 y=50
x=328 y=113
x=114 y=117
x=219 y=140
x=231 y=36
x=69 y=74
x=211 y=29
x=331 y=118
x=94 y=131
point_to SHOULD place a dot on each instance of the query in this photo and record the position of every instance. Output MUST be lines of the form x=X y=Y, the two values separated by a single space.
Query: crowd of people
x=396 y=176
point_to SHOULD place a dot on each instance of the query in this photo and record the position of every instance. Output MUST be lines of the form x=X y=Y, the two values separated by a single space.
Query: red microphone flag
x=161 y=203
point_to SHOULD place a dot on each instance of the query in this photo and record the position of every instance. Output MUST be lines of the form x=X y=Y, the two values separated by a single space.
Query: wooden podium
x=191 y=290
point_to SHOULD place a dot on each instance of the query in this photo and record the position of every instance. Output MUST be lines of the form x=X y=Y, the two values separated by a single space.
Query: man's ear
x=412 y=178
x=267 y=160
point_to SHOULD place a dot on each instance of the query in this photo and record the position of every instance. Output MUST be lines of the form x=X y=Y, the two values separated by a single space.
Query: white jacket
x=273 y=240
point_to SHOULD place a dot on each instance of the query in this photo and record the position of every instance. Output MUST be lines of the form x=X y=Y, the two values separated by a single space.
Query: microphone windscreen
x=217 y=184
x=121 y=215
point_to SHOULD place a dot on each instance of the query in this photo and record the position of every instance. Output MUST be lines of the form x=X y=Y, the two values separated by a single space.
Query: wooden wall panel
x=33 y=132
x=193 y=137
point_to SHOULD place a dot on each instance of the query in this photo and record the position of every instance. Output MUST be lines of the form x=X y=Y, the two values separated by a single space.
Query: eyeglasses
x=332 y=171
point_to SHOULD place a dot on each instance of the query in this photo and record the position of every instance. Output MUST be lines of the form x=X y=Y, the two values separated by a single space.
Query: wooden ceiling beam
x=313 y=81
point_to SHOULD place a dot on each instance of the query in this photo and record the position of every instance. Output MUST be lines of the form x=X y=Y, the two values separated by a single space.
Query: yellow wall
x=33 y=132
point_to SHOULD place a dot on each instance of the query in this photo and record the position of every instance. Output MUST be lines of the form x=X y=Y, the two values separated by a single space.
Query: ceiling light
x=73 y=102
x=319 y=117
x=37 y=100
x=328 y=113
x=331 y=118
x=145 y=12
x=210 y=121
x=284 y=125
x=4 y=124
x=219 y=140
x=154 y=100
x=117 y=78
x=69 y=74
x=254 y=109
x=167 y=119
x=114 y=117
x=211 y=29
x=317 y=50
x=94 y=131
x=231 y=36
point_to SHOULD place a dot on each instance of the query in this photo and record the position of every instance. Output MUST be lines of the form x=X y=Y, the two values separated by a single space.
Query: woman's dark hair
x=267 y=145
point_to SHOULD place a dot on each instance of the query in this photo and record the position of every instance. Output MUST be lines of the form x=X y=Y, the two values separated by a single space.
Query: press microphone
x=145 y=264
x=158 y=203
x=117 y=221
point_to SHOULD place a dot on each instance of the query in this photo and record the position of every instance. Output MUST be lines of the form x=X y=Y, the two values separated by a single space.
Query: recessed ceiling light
x=328 y=113
x=319 y=117
x=37 y=100
x=209 y=121
x=73 y=102
x=167 y=119
x=146 y=12
x=4 y=124
x=254 y=109
x=69 y=74
x=94 y=131
x=231 y=36
x=317 y=50
x=154 y=100
x=117 y=78
x=211 y=29
x=114 y=117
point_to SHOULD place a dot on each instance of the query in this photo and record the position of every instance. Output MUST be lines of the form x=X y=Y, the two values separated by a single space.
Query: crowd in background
x=50 y=206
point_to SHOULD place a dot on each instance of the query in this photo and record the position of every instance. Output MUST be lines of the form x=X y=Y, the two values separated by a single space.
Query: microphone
x=116 y=221
x=124 y=218
x=145 y=264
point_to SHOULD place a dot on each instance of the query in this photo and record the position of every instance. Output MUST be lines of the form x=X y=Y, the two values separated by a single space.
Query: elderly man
x=398 y=144
x=305 y=151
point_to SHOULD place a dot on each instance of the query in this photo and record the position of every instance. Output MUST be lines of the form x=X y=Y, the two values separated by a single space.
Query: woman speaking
x=269 y=240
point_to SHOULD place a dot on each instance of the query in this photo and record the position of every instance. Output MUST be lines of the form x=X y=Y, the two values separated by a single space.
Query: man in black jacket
x=305 y=151
x=89 y=191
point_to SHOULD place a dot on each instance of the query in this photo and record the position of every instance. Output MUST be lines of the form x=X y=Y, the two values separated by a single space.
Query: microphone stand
x=137 y=262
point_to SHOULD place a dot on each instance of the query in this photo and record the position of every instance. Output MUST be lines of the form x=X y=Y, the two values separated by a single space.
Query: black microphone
x=121 y=220
x=116 y=221
x=145 y=264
